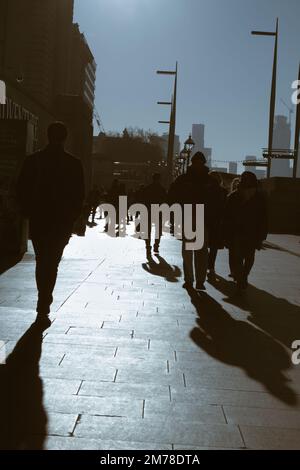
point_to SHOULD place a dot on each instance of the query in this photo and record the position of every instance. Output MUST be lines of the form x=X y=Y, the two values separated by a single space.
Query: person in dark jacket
x=154 y=193
x=244 y=226
x=50 y=193
x=217 y=205
x=193 y=188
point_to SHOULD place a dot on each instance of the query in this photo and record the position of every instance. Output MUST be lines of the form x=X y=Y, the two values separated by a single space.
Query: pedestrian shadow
x=9 y=261
x=278 y=317
x=241 y=344
x=270 y=246
x=171 y=273
x=23 y=417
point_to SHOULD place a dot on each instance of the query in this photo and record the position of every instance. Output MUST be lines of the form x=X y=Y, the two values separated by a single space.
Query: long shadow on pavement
x=240 y=344
x=162 y=268
x=274 y=315
x=23 y=417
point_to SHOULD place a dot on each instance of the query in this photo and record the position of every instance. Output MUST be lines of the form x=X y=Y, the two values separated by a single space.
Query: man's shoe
x=187 y=286
x=200 y=286
x=211 y=275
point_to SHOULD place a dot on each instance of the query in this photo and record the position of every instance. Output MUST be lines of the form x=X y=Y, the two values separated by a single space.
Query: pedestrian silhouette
x=194 y=188
x=218 y=196
x=154 y=193
x=244 y=227
x=50 y=192
x=93 y=202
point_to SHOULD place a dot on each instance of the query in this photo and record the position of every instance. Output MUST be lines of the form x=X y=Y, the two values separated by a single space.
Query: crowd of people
x=235 y=218
x=50 y=192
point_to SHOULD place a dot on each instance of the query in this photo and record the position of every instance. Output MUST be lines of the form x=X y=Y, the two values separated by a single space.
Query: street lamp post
x=273 y=92
x=189 y=144
x=172 y=121
x=184 y=158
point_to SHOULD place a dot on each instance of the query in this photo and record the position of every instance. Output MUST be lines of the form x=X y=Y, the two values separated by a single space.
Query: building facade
x=49 y=70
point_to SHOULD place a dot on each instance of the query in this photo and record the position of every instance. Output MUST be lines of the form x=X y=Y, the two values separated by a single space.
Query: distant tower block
x=281 y=140
x=233 y=168
x=198 y=132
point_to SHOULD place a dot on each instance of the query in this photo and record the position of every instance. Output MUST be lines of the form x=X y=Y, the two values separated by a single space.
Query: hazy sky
x=224 y=72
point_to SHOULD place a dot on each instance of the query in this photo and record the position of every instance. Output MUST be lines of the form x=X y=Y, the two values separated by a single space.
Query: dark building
x=35 y=43
x=49 y=70
x=82 y=70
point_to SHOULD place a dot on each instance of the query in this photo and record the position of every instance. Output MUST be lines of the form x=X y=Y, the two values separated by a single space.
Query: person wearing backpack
x=50 y=193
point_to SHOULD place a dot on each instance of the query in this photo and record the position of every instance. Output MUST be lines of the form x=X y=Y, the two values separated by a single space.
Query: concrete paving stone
x=231 y=397
x=77 y=349
x=192 y=412
x=127 y=353
x=78 y=372
x=125 y=390
x=73 y=443
x=96 y=341
x=118 y=362
x=51 y=359
x=97 y=406
x=160 y=430
x=262 y=417
x=205 y=365
x=173 y=345
x=141 y=375
x=222 y=380
x=61 y=386
x=14 y=332
x=16 y=314
x=174 y=334
x=268 y=438
x=60 y=424
x=100 y=332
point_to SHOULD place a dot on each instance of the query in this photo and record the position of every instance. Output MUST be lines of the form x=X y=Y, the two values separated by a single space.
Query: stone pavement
x=132 y=362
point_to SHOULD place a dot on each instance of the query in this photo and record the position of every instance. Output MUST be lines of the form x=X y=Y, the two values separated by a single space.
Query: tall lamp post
x=297 y=133
x=273 y=92
x=172 y=122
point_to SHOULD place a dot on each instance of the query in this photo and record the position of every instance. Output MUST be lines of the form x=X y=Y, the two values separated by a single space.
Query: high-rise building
x=49 y=70
x=198 y=132
x=282 y=141
x=34 y=45
x=82 y=71
x=233 y=167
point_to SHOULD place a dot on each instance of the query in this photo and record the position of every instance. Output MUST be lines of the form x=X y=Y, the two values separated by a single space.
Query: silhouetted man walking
x=193 y=188
x=245 y=227
x=50 y=191
x=154 y=193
